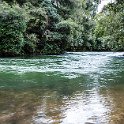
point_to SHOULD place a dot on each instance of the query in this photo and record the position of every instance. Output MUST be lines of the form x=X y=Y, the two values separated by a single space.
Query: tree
x=12 y=28
x=110 y=27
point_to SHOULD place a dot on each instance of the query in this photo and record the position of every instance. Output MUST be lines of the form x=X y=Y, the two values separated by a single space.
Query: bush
x=36 y=19
x=55 y=42
x=51 y=49
x=109 y=28
x=71 y=32
x=30 y=44
x=12 y=28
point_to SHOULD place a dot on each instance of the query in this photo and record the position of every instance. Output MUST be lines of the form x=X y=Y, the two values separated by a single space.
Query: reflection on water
x=75 y=88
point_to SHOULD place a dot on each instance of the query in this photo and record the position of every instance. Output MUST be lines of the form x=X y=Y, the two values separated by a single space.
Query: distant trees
x=12 y=29
x=109 y=30
x=54 y=26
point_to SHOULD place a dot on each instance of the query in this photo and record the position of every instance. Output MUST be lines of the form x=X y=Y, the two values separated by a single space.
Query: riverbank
x=53 y=27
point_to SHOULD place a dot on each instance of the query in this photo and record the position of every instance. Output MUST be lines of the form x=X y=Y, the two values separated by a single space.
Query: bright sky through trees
x=103 y=3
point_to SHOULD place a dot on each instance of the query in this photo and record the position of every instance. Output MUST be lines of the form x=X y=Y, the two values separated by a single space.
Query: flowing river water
x=74 y=88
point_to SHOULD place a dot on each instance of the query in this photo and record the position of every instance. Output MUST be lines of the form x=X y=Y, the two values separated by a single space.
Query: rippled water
x=74 y=88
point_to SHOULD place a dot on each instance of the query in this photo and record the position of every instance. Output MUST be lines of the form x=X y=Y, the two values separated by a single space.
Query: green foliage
x=30 y=44
x=37 y=20
x=70 y=30
x=110 y=27
x=12 y=28
x=54 y=26
x=66 y=26
x=42 y=22
x=51 y=49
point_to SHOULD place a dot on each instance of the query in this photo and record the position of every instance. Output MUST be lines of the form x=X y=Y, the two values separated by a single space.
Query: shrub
x=30 y=44
x=12 y=28
x=71 y=33
x=36 y=19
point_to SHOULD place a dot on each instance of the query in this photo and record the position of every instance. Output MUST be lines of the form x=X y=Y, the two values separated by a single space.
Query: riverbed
x=74 y=88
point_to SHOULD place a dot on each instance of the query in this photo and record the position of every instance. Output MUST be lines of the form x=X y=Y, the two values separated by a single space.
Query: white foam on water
x=116 y=54
x=71 y=65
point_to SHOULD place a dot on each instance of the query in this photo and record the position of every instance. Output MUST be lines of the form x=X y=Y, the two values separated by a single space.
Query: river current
x=74 y=88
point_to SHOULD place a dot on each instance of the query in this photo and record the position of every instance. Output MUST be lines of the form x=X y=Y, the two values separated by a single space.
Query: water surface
x=74 y=88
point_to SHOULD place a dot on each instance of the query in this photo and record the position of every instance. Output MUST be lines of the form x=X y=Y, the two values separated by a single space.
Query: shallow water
x=74 y=88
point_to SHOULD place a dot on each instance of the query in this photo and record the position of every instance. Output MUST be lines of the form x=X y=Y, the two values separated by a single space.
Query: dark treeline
x=29 y=27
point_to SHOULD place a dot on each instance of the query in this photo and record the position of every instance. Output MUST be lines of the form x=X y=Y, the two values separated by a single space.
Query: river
x=74 y=88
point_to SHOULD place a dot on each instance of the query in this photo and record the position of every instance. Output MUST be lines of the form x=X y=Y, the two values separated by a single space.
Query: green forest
x=37 y=27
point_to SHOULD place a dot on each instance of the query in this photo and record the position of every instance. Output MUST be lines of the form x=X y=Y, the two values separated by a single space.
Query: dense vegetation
x=30 y=27
x=109 y=30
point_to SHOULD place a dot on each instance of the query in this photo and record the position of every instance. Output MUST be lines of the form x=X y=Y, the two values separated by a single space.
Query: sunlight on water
x=91 y=111
x=74 y=88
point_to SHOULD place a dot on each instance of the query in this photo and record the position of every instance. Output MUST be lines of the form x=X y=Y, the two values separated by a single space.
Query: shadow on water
x=20 y=95
x=75 y=88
